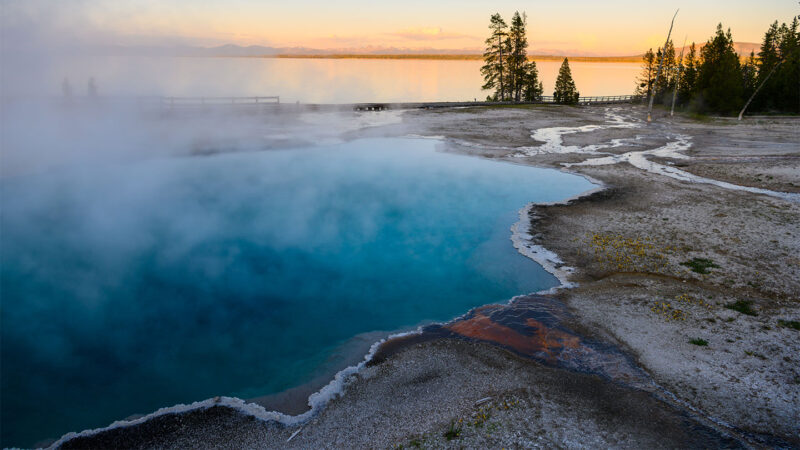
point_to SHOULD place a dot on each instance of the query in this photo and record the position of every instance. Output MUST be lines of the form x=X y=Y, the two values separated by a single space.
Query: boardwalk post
x=660 y=64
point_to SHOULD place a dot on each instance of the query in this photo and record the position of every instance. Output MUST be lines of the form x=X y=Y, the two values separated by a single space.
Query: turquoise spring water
x=128 y=288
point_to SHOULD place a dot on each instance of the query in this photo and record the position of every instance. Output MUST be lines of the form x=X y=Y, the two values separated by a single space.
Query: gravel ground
x=426 y=395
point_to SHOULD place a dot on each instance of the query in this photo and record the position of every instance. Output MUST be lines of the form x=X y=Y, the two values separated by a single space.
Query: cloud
x=429 y=34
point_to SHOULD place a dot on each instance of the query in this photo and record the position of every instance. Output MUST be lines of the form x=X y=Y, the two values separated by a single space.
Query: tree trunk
x=741 y=113
x=660 y=64
x=502 y=87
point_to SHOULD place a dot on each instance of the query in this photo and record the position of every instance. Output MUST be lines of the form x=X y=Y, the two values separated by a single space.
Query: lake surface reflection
x=312 y=80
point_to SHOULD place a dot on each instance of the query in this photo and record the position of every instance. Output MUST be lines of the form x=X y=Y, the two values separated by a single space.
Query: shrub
x=700 y=265
x=793 y=324
x=453 y=432
x=743 y=306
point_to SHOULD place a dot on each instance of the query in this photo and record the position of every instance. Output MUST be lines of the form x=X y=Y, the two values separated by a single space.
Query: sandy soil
x=627 y=244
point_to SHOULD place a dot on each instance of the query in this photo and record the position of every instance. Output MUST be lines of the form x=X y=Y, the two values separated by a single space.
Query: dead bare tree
x=741 y=113
x=677 y=79
x=660 y=64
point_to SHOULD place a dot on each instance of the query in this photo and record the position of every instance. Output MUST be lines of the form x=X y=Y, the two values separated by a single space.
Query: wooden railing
x=596 y=100
x=603 y=99
x=199 y=102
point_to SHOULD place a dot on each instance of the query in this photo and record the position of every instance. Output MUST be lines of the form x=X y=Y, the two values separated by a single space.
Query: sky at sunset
x=614 y=27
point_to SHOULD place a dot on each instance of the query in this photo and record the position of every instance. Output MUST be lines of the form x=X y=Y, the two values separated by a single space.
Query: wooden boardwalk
x=605 y=99
x=583 y=101
x=200 y=102
x=257 y=103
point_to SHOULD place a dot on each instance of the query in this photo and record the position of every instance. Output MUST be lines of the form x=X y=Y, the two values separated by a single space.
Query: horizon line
x=425 y=56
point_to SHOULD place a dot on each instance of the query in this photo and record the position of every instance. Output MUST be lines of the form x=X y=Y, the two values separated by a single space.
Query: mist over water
x=137 y=274
x=127 y=287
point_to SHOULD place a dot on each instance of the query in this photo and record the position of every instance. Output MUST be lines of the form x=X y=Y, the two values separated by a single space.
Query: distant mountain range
x=233 y=50
x=743 y=49
x=256 y=51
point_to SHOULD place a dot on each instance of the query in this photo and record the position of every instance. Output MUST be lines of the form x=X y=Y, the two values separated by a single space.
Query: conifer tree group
x=717 y=80
x=644 y=84
x=779 y=55
x=687 y=75
x=506 y=70
x=666 y=82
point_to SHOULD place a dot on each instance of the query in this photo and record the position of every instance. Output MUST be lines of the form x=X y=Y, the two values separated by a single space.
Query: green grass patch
x=700 y=265
x=453 y=432
x=698 y=341
x=793 y=324
x=743 y=306
x=700 y=117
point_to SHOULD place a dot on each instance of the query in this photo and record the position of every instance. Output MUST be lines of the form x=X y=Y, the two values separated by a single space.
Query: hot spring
x=129 y=287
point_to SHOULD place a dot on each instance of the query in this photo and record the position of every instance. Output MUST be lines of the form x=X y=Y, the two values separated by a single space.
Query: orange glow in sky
x=614 y=27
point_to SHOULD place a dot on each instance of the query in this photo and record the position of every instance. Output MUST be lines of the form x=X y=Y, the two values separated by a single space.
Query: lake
x=303 y=80
x=129 y=287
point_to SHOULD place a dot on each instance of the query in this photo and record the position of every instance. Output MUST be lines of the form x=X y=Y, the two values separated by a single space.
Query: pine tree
x=779 y=69
x=768 y=58
x=768 y=55
x=787 y=75
x=644 y=84
x=518 y=56
x=686 y=86
x=750 y=76
x=666 y=83
x=532 y=88
x=565 y=87
x=494 y=70
x=719 y=78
